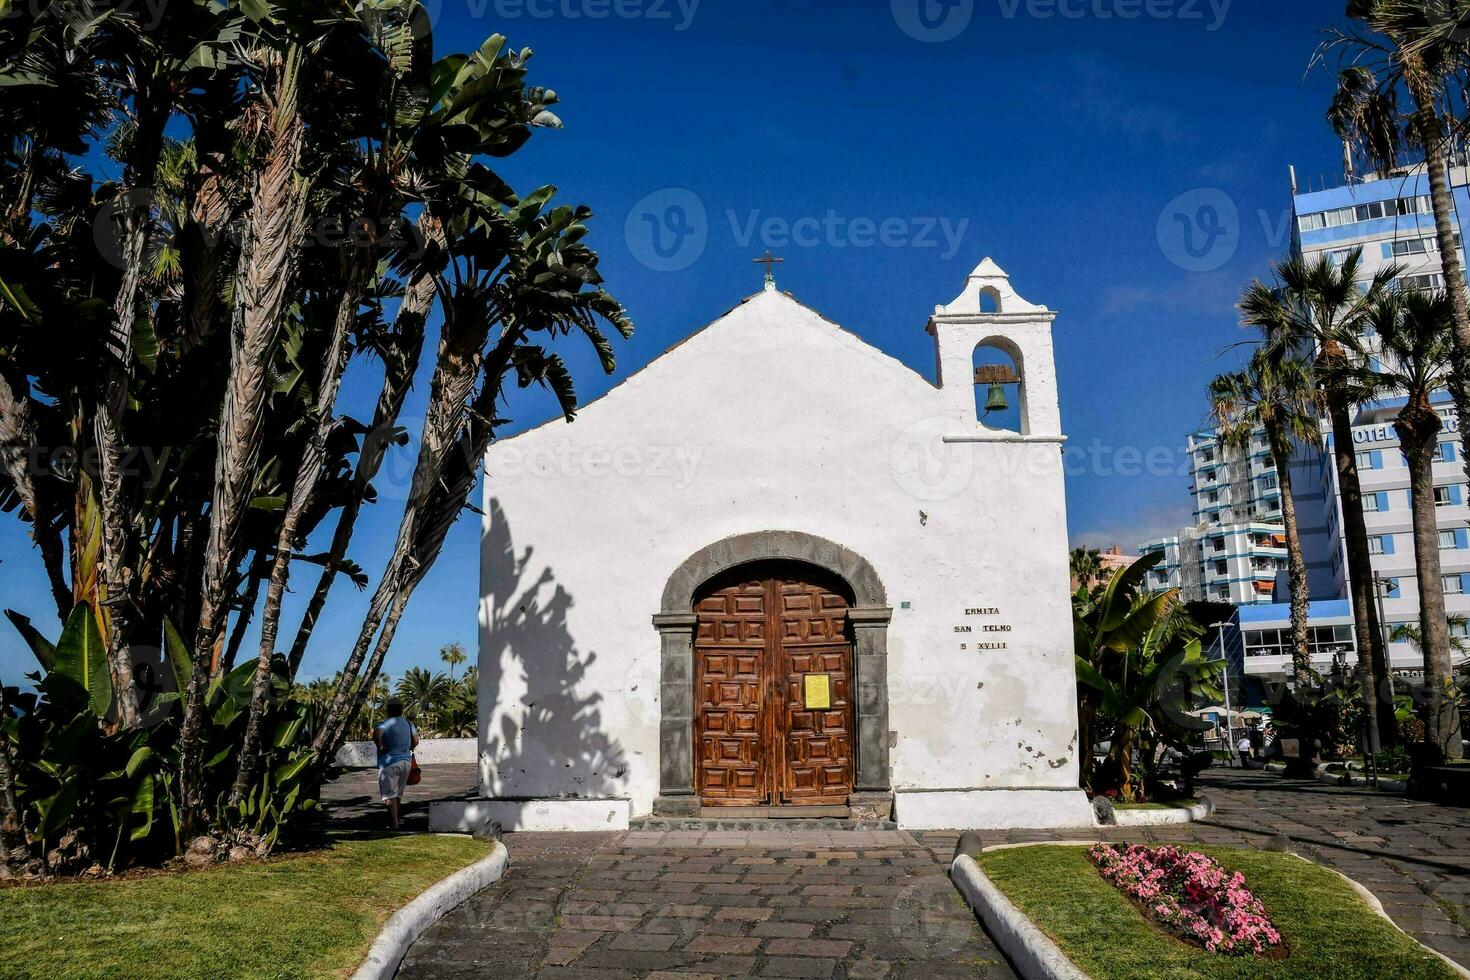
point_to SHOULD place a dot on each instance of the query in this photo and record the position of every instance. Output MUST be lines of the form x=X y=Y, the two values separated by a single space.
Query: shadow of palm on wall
x=550 y=743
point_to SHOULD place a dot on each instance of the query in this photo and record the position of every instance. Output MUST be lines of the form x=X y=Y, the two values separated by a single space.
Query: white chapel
x=777 y=572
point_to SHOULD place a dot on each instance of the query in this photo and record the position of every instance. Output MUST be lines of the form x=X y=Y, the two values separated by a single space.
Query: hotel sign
x=1368 y=435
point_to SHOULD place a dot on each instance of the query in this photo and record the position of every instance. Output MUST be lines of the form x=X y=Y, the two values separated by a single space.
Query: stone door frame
x=869 y=617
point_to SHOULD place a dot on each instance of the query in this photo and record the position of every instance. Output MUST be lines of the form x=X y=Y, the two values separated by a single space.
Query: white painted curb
x=415 y=918
x=1033 y=955
x=1157 y=818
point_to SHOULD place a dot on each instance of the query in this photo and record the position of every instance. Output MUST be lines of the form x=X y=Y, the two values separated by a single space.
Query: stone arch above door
x=868 y=617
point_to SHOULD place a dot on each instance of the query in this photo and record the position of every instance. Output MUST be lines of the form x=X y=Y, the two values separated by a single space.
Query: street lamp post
x=1370 y=687
x=1219 y=629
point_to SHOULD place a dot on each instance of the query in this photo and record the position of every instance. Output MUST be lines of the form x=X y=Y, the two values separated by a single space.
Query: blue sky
x=1095 y=148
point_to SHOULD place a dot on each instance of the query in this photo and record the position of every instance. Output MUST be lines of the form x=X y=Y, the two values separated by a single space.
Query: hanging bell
x=996 y=401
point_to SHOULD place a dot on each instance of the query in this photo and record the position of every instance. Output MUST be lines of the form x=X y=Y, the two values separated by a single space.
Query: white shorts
x=392 y=780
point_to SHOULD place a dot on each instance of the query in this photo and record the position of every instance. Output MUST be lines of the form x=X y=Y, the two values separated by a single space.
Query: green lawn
x=312 y=915
x=1328 y=929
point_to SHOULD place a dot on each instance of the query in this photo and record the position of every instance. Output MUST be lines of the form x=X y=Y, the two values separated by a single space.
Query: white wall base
x=430 y=752
x=992 y=809
x=464 y=816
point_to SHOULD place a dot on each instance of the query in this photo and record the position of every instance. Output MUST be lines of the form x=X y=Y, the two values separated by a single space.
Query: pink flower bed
x=1191 y=896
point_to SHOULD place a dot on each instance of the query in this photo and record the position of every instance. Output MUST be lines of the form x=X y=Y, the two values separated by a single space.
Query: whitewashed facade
x=773 y=438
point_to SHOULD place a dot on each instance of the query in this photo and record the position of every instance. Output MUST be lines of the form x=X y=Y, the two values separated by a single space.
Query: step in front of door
x=758 y=824
x=839 y=812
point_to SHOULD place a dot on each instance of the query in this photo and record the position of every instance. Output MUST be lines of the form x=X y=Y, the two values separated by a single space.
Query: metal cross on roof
x=769 y=260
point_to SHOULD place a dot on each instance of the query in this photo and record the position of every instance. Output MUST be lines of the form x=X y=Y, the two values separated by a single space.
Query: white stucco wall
x=773 y=418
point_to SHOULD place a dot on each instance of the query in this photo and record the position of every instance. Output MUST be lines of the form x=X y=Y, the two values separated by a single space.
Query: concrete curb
x=1034 y=956
x=1359 y=780
x=1157 y=818
x=414 y=919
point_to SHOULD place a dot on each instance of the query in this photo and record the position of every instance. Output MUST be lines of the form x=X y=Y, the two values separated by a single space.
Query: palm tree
x=1278 y=394
x=453 y=654
x=1417 y=47
x=456 y=716
x=1318 y=307
x=1412 y=634
x=1086 y=566
x=421 y=692
x=1415 y=345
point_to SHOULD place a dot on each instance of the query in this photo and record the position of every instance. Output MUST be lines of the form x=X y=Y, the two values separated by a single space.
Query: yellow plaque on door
x=818 y=690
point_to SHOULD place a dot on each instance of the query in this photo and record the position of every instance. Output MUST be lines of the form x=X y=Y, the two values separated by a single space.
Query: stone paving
x=877 y=904
x=680 y=904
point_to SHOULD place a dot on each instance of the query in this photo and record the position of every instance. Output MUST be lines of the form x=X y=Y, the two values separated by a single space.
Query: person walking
x=395 y=739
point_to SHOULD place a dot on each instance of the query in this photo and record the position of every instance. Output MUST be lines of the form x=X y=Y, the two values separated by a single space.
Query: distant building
x=1391 y=219
x=1235 y=553
x=1113 y=560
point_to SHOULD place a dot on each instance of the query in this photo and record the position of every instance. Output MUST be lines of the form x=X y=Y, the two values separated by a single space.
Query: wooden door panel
x=816 y=758
x=758 y=636
x=732 y=764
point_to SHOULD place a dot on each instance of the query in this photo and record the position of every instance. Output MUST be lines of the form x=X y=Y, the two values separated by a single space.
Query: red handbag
x=415 y=774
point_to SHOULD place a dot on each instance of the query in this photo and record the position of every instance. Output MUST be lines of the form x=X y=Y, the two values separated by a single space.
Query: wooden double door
x=773 y=689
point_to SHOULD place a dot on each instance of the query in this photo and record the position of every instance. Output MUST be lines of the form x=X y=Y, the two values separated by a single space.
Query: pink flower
x=1192 y=894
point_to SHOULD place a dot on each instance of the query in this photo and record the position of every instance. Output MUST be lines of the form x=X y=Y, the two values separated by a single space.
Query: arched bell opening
x=1000 y=386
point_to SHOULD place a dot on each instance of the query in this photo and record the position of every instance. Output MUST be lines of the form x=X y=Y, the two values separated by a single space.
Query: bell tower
x=988 y=313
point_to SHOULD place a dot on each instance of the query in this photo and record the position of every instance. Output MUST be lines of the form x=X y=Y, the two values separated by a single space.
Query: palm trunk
x=208 y=213
x=1418 y=429
x=457 y=368
x=1086 y=716
x=12 y=832
x=18 y=447
x=307 y=475
x=112 y=492
x=1372 y=658
x=1122 y=753
x=266 y=268
x=1436 y=163
x=1301 y=654
x=413 y=311
x=242 y=621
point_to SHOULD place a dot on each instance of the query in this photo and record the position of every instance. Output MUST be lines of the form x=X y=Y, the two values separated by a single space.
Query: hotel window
x=1415 y=246
x=1221 y=568
x=1375 y=502
x=1269 y=483
x=1459 y=628
x=1447 y=540
x=1217 y=544
x=1372 y=460
x=1425 y=281
x=1375 y=545
x=1453 y=585
x=1214 y=496
x=1447 y=496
